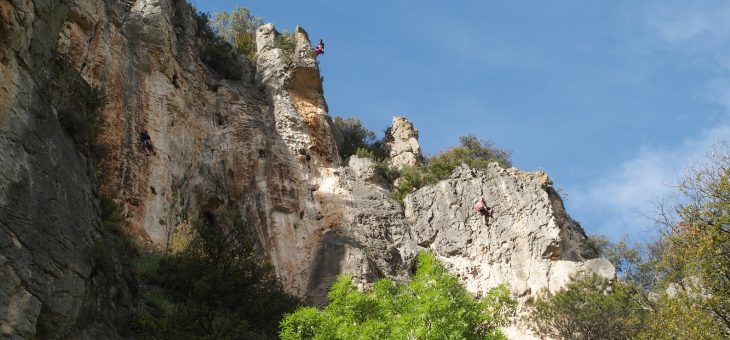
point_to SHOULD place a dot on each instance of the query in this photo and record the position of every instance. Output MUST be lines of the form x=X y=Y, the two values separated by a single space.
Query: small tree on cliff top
x=432 y=306
x=238 y=28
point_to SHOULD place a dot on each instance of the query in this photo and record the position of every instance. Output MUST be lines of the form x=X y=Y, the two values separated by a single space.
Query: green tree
x=219 y=287
x=238 y=28
x=681 y=316
x=679 y=288
x=432 y=306
x=697 y=254
x=590 y=307
x=215 y=51
x=350 y=135
x=634 y=262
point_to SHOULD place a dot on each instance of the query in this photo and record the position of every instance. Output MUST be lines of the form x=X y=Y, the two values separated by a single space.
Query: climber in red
x=481 y=207
x=146 y=141
x=320 y=49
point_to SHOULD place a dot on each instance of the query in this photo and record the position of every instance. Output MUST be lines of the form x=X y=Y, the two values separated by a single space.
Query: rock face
x=51 y=283
x=529 y=242
x=260 y=148
x=402 y=143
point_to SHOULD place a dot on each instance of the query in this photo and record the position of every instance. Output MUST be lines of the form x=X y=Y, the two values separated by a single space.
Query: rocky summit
x=260 y=147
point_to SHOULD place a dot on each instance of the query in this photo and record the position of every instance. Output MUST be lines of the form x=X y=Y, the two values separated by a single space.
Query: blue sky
x=614 y=99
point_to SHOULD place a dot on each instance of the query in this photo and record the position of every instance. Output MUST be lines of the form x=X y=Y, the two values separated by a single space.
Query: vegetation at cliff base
x=675 y=288
x=590 y=307
x=218 y=287
x=432 y=306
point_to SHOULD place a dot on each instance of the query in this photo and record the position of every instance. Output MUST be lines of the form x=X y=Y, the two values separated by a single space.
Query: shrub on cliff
x=411 y=178
x=218 y=287
x=350 y=135
x=238 y=28
x=471 y=151
x=432 y=306
x=215 y=51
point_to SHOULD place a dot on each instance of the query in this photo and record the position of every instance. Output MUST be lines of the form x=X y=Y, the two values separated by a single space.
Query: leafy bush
x=697 y=254
x=471 y=151
x=432 y=306
x=682 y=317
x=591 y=307
x=285 y=41
x=411 y=178
x=215 y=51
x=687 y=273
x=238 y=28
x=352 y=137
x=218 y=287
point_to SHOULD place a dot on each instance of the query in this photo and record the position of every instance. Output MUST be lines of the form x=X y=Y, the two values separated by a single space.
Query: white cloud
x=706 y=22
x=622 y=201
x=619 y=202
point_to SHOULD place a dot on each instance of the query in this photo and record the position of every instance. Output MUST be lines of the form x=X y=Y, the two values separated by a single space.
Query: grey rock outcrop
x=402 y=143
x=530 y=243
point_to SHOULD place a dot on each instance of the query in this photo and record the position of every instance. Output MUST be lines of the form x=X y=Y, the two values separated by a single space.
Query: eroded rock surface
x=260 y=148
x=530 y=243
x=402 y=143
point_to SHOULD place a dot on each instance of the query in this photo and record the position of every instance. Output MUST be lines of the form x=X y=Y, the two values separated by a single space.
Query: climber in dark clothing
x=481 y=207
x=320 y=49
x=146 y=141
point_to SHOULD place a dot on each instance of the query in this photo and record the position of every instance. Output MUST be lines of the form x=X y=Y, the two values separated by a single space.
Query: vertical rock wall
x=530 y=243
x=51 y=282
x=259 y=148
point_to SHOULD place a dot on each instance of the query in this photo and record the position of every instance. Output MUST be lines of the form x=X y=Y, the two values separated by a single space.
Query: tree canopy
x=432 y=306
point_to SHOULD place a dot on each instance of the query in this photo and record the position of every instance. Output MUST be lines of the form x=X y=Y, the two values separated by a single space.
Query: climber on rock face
x=481 y=207
x=320 y=49
x=146 y=141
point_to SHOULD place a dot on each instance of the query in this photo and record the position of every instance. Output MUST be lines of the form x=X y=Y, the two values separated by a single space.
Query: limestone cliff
x=260 y=148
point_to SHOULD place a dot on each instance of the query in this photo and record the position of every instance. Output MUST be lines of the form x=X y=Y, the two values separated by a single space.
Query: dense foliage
x=215 y=51
x=285 y=41
x=432 y=306
x=217 y=287
x=352 y=138
x=677 y=287
x=697 y=258
x=590 y=307
x=471 y=151
x=238 y=28
x=350 y=135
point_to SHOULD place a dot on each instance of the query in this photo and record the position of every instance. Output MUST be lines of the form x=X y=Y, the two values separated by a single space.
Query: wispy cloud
x=620 y=202
x=623 y=201
x=704 y=22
